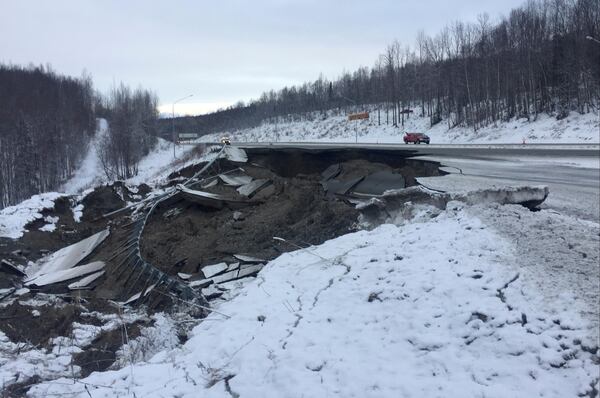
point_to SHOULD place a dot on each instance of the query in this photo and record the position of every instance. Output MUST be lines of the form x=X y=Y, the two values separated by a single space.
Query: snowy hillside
x=575 y=128
x=90 y=172
x=381 y=313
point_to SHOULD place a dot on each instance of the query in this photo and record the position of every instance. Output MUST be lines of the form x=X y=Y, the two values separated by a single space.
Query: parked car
x=416 y=138
x=225 y=141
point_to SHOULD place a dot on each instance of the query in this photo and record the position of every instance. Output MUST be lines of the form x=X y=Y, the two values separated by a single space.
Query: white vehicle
x=225 y=141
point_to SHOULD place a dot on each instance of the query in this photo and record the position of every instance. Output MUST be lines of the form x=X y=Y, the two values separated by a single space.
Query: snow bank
x=13 y=219
x=575 y=128
x=390 y=312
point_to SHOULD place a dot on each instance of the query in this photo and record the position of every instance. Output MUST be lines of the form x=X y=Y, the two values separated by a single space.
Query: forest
x=536 y=59
x=47 y=122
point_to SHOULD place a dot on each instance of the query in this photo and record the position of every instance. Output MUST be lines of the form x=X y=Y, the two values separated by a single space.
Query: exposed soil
x=297 y=209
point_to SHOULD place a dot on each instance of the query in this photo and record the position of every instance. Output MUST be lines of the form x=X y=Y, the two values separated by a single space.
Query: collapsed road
x=177 y=246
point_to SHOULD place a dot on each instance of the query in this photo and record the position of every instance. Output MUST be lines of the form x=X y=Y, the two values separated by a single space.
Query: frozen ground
x=575 y=128
x=444 y=305
x=14 y=218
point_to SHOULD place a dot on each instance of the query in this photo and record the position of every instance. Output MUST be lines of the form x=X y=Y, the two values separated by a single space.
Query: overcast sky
x=221 y=51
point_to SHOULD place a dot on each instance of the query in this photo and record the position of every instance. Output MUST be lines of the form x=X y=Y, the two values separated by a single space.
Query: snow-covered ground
x=576 y=128
x=438 y=306
x=90 y=171
x=13 y=219
x=150 y=168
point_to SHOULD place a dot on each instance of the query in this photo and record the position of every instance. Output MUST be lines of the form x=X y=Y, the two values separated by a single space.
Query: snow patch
x=13 y=219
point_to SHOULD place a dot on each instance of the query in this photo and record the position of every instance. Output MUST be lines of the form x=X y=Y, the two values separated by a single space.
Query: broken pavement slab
x=86 y=282
x=248 y=259
x=211 y=270
x=253 y=187
x=331 y=172
x=69 y=256
x=235 y=180
x=233 y=271
x=208 y=199
x=379 y=182
x=9 y=267
x=235 y=154
x=378 y=209
x=65 y=274
x=341 y=187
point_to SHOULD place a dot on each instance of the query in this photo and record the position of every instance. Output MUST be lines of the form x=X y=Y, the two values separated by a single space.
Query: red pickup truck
x=416 y=138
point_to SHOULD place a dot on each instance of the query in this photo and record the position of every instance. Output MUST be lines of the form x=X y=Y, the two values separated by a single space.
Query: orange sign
x=358 y=116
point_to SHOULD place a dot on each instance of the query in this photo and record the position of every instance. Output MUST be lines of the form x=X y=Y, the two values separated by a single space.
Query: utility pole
x=173 y=121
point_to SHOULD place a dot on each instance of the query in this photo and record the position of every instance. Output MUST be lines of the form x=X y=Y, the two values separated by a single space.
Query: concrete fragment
x=235 y=180
x=69 y=256
x=84 y=283
x=379 y=182
x=233 y=266
x=66 y=274
x=211 y=292
x=211 y=270
x=238 y=216
x=250 y=270
x=225 y=277
x=9 y=267
x=340 y=187
x=209 y=199
x=235 y=154
x=248 y=259
x=201 y=283
x=331 y=172
x=253 y=187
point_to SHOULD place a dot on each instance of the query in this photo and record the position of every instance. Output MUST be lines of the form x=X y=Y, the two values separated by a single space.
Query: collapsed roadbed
x=136 y=251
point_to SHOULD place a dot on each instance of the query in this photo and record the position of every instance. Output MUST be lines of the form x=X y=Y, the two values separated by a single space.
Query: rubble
x=66 y=258
x=65 y=274
x=378 y=209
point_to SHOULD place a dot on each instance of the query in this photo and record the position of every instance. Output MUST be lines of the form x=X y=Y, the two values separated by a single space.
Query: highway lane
x=572 y=172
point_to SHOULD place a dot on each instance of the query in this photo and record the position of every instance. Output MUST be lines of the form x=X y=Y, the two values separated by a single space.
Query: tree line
x=47 y=122
x=534 y=60
x=132 y=130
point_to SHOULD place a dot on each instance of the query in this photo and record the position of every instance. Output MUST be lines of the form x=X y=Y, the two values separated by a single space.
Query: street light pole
x=173 y=120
